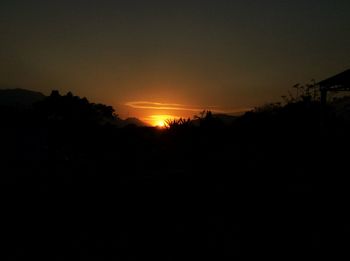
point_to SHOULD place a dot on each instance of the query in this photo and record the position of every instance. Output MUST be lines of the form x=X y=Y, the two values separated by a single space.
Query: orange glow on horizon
x=160 y=120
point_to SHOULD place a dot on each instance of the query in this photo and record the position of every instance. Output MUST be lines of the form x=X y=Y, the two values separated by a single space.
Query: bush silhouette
x=175 y=124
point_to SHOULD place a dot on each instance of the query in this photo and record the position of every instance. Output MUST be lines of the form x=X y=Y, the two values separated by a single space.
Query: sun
x=160 y=123
x=160 y=120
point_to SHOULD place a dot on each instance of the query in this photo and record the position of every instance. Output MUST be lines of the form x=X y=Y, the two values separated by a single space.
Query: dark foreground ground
x=171 y=203
x=264 y=186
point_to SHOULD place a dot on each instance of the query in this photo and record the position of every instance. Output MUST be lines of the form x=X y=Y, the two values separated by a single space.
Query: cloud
x=160 y=106
x=180 y=107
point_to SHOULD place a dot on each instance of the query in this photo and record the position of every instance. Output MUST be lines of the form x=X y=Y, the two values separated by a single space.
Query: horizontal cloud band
x=160 y=106
x=178 y=107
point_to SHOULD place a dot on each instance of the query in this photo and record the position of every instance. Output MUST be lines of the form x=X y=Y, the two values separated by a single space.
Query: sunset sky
x=176 y=58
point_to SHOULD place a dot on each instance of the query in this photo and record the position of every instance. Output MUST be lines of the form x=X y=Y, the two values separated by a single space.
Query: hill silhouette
x=131 y=121
x=19 y=97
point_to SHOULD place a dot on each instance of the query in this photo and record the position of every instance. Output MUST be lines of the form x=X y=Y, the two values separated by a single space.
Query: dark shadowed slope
x=131 y=121
x=19 y=97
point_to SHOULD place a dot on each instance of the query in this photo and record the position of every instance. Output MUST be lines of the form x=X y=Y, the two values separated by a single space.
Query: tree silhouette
x=74 y=110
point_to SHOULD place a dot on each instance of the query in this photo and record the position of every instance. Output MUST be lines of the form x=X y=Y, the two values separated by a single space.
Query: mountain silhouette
x=19 y=97
x=131 y=121
x=225 y=118
x=221 y=118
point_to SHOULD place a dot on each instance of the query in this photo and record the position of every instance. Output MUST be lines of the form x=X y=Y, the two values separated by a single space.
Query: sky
x=149 y=57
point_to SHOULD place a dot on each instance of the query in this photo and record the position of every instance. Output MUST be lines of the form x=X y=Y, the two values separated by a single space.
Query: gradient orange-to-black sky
x=172 y=57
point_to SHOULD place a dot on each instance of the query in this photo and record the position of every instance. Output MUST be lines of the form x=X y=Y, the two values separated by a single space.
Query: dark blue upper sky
x=229 y=54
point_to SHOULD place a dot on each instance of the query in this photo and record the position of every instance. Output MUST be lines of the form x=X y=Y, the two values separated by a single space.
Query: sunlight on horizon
x=160 y=120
